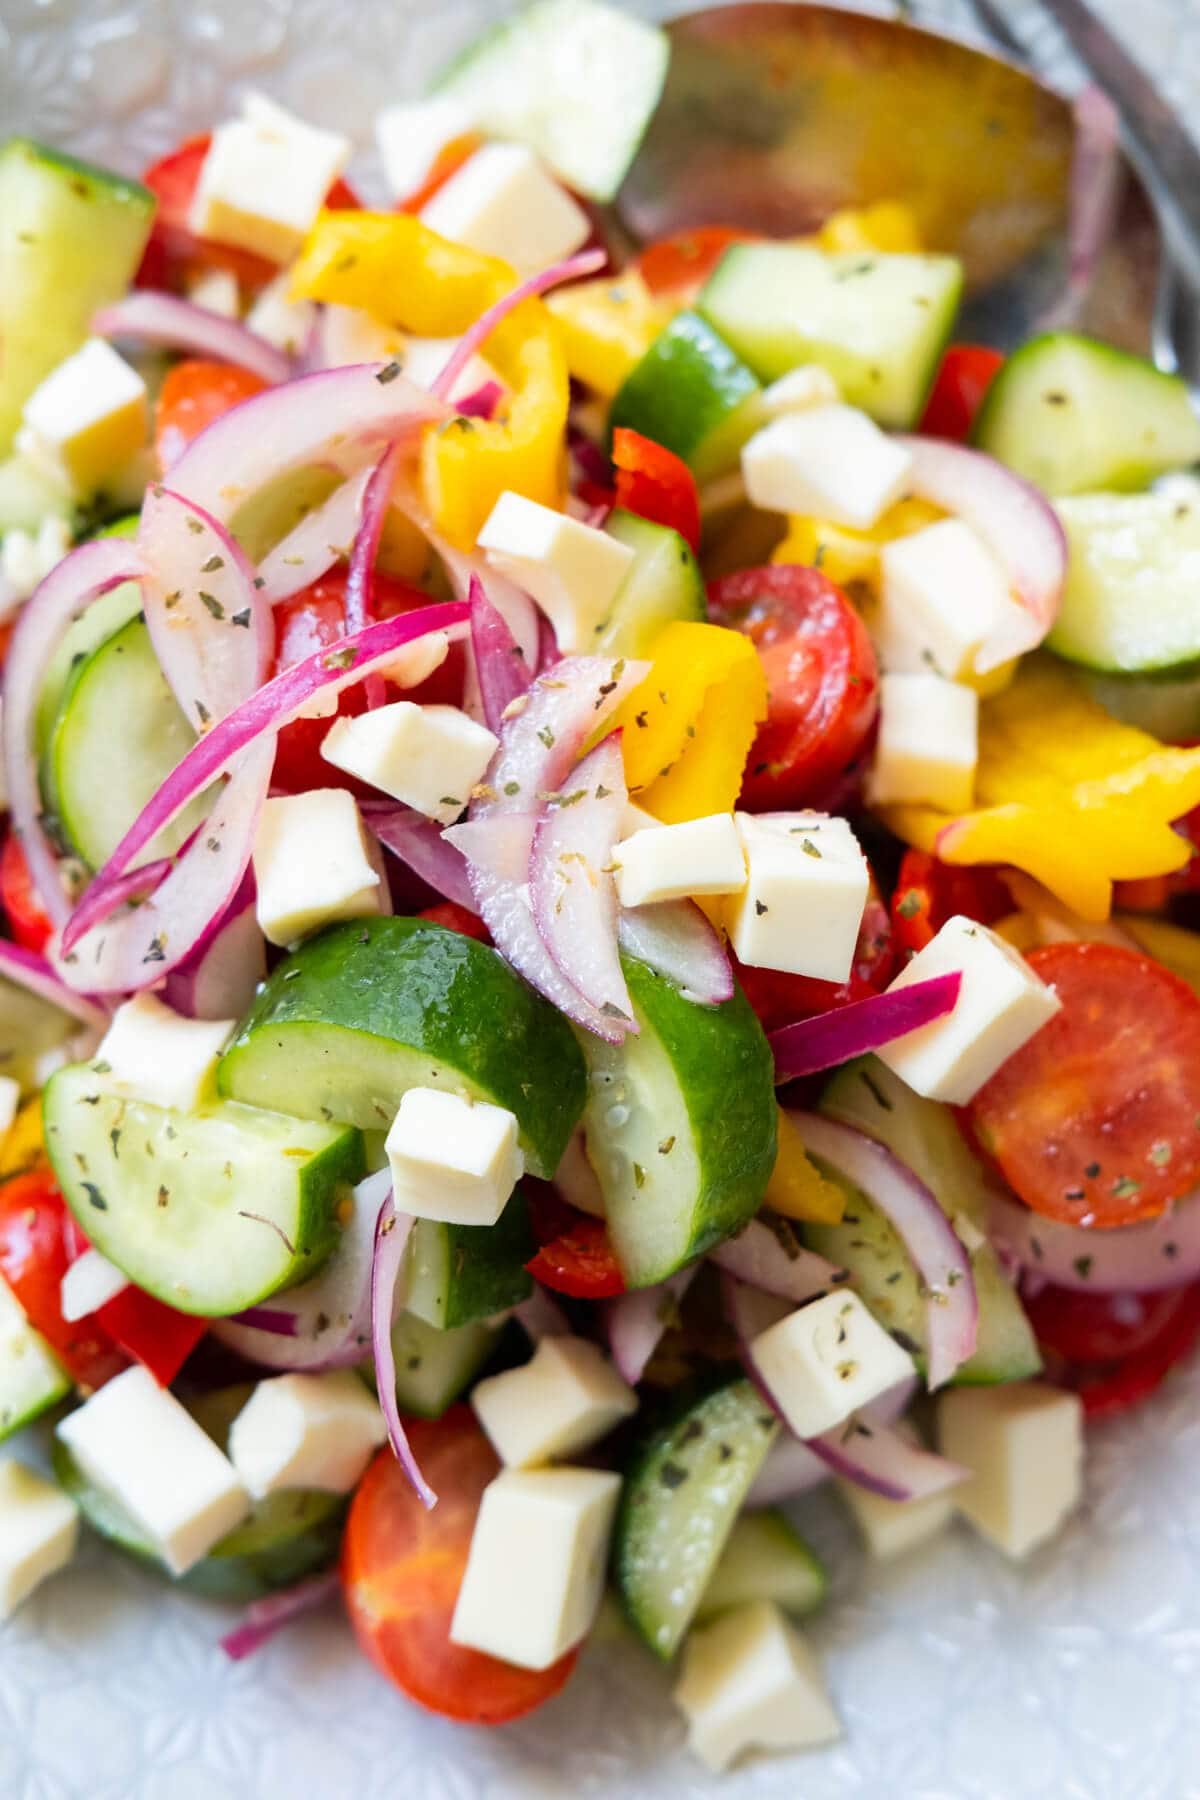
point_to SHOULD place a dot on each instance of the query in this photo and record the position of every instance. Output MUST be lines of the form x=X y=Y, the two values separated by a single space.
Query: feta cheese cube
x=1023 y=1443
x=453 y=1159
x=411 y=136
x=535 y=1572
x=10 y=1101
x=350 y=335
x=90 y=1283
x=39 y=1530
x=829 y=460
x=430 y=757
x=157 y=1055
x=425 y=358
x=750 y=1681
x=809 y=385
x=1001 y=1003
x=894 y=1527
x=827 y=1359
x=282 y=322
x=566 y=1398
x=943 y=596
x=928 y=744
x=216 y=290
x=313 y=865
x=505 y=203
x=26 y=558
x=306 y=1431
x=572 y=570
x=87 y=416
x=805 y=893
x=671 y=862
x=264 y=180
x=135 y=1442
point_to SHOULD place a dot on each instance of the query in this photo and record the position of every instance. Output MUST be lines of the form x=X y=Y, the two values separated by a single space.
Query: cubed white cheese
x=216 y=290
x=825 y=1360
x=26 y=558
x=894 y=1527
x=505 y=203
x=313 y=864
x=809 y=385
x=943 y=596
x=155 y=1054
x=566 y=1398
x=90 y=1283
x=411 y=135
x=424 y=359
x=1023 y=1443
x=135 y=1442
x=282 y=322
x=430 y=757
x=830 y=460
x=453 y=1159
x=928 y=744
x=749 y=1682
x=350 y=335
x=572 y=570
x=10 y=1101
x=535 y=1573
x=306 y=1431
x=39 y=1530
x=806 y=889
x=671 y=862
x=264 y=180
x=87 y=416
x=1000 y=1005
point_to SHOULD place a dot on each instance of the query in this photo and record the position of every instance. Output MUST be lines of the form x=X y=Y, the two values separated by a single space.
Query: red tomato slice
x=402 y=1568
x=929 y=892
x=656 y=484
x=193 y=394
x=33 y=1260
x=457 y=918
x=575 y=1256
x=680 y=265
x=959 y=389
x=822 y=679
x=155 y=1335
x=1096 y=1120
x=1144 y=1335
x=28 y=920
x=781 y=999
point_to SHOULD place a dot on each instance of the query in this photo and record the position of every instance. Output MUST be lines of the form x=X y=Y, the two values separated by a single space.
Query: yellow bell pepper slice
x=797 y=1189
x=399 y=271
x=23 y=1145
x=607 y=326
x=886 y=225
x=1066 y=793
x=851 y=558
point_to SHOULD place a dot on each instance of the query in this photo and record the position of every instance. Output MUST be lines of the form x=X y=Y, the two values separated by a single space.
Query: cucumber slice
x=212 y=1211
x=364 y=1011
x=95 y=779
x=924 y=1136
x=434 y=1367
x=680 y=1125
x=765 y=1559
x=457 y=1274
x=1168 y=709
x=576 y=80
x=663 y=584
x=27 y=496
x=102 y=620
x=877 y=322
x=1075 y=415
x=32 y=1379
x=693 y=394
x=71 y=238
x=1133 y=574
x=679 y=1504
x=29 y=1027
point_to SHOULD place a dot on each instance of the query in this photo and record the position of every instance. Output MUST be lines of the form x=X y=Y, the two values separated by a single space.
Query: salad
x=599 y=893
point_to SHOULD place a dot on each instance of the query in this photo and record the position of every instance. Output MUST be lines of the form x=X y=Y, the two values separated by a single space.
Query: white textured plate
x=1074 y=1678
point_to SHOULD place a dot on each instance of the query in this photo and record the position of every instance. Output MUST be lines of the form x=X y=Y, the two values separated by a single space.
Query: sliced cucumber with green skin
x=1168 y=709
x=680 y=1125
x=663 y=584
x=924 y=1136
x=459 y=1274
x=101 y=620
x=765 y=1559
x=71 y=238
x=1133 y=576
x=364 y=1011
x=878 y=323
x=1075 y=416
x=32 y=1379
x=212 y=1211
x=433 y=1368
x=29 y=1026
x=27 y=496
x=679 y=1503
x=693 y=394
x=576 y=80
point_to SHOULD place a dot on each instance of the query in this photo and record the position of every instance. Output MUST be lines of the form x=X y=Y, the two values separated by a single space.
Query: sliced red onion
x=937 y=1252
x=1146 y=1258
x=847 y=1031
x=157 y=318
x=501 y=670
x=391 y=1238
x=219 y=978
x=322 y=538
x=26 y=969
x=481 y=403
x=675 y=938
x=589 y=458
x=548 y=653
x=586 y=262
x=267 y=1616
x=571 y=888
x=268 y=1318
x=776 y=1263
x=790 y=1469
x=541 y=1317
x=511 y=602
x=212 y=632
x=497 y=846
x=1096 y=181
x=423 y=847
x=1015 y=521
x=636 y=1322
x=360 y=577
x=88 y=572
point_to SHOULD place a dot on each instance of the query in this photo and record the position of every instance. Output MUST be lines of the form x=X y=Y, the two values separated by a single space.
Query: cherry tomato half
x=822 y=680
x=34 y=1257
x=457 y=918
x=1096 y=1120
x=656 y=484
x=1114 y=1350
x=680 y=265
x=27 y=918
x=929 y=892
x=402 y=1568
x=780 y=999
x=959 y=389
x=575 y=1256
x=193 y=394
